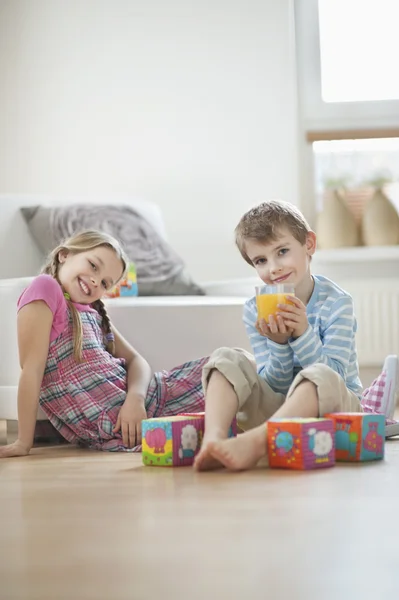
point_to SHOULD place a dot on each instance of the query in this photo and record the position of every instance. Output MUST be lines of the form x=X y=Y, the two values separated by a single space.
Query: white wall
x=188 y=104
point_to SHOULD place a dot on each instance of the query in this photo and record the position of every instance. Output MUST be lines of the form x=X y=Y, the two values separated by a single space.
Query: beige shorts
x=257 y=402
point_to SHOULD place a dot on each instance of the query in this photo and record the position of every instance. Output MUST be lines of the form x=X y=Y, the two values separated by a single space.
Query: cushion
x=160 y=270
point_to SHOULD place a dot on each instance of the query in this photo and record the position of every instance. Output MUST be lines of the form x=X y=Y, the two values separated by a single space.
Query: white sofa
x=166 y=330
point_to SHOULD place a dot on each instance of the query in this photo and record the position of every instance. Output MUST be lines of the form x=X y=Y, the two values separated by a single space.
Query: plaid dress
x=82 y=400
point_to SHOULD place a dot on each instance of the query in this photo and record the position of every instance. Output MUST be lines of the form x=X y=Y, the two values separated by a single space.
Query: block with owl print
x=171 y=441
x=233 y=428
x=359 y=437
x=300 y=443
x=174 y=441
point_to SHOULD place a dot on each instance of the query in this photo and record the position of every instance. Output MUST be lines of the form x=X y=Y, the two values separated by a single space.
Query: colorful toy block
x=171 y=441
x=174 y=441
x=358 y=436
x=300 y=443
x=126 y=286
x=232 y=430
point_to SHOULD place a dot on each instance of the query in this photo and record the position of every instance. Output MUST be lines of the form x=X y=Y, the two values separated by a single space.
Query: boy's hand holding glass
x=276 y=330
x=294 y=316
x=270 y=324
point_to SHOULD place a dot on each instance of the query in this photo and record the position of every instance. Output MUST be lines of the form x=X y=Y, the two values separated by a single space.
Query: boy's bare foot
x=242 y=452
x=204 y=461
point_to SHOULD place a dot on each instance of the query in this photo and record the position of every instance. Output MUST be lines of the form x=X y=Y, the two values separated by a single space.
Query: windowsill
x=358 y=254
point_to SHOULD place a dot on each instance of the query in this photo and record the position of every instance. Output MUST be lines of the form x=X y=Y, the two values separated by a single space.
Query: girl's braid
x=52 y=269
x=99 y=306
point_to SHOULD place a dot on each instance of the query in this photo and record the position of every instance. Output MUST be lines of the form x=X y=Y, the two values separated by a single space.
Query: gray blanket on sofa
x=154 y=258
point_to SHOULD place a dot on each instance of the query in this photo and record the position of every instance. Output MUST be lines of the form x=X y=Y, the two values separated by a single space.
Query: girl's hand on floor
x=129 y=421
x=15 y=449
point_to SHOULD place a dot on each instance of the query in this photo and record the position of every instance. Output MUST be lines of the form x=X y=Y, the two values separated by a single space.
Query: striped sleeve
x=334 y=346
x=275 y=362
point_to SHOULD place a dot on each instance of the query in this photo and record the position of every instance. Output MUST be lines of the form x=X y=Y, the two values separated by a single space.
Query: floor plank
x=86 y=525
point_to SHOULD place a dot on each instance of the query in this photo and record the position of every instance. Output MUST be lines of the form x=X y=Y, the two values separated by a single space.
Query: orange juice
x=267 y=304
x=269 y=296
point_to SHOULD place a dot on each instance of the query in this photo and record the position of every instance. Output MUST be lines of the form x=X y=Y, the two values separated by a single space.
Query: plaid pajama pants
x=372 y=397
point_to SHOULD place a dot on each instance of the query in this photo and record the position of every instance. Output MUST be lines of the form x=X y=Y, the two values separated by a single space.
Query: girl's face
x=86 y=276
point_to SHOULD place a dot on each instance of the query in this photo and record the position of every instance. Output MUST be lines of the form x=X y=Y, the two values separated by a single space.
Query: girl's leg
x=177 y=391
x=382 y=394
x=245 y=451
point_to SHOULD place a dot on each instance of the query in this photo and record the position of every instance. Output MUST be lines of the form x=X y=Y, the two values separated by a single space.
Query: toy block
x=232 y=430
x=171 y=441
x=174 y=441
x=126 y=286
x=300 y=443
x=359 y=437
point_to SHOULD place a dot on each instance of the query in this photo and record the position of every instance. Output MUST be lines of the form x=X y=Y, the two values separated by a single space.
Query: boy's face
x=282 y=261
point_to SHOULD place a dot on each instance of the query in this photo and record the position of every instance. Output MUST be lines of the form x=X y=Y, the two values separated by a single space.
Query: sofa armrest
x=169 y=331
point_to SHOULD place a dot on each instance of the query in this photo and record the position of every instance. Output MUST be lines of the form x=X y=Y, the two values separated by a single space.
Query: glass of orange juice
x=268 y=296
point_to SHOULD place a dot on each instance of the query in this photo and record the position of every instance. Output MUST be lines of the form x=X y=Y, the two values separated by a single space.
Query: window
x=357 y=165
x=359 y=47
x=348 y=93
x=346 y=52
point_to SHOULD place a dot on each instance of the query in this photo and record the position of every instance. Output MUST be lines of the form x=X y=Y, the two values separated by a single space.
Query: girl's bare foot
x=242 y=452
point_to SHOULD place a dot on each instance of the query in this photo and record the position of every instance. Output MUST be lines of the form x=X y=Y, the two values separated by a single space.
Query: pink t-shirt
x=46 y=288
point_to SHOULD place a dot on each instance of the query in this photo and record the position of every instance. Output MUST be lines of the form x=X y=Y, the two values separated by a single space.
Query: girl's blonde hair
x=82 y=242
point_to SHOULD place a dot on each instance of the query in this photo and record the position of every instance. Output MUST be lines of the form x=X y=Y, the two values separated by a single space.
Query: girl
x=93 y=386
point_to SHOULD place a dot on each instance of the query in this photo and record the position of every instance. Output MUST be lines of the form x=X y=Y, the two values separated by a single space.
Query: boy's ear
x=311 y=242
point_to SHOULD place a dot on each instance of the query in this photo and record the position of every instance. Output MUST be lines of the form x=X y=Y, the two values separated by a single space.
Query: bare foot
x=204 y=461
x=242 y=452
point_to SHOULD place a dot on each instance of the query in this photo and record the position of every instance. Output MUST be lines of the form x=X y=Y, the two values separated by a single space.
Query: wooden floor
x=82 y=525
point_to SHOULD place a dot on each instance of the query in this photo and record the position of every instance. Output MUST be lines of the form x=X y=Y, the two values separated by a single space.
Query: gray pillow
x=160 y=270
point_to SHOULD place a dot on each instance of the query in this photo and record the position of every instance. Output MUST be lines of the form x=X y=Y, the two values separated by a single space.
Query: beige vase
x=380 y=223
x=336 y=226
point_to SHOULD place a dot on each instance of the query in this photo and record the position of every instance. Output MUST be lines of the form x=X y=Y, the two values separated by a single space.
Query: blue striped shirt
x=329 y=339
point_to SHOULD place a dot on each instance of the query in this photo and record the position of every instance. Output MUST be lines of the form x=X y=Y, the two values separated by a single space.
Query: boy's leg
x=315 y=391
x=221 y=406
x=245 y=451
x=232 y=386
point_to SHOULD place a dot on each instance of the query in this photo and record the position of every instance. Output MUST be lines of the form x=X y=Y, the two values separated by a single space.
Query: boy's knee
x=332 y=393
x=323 y=370
x=230 y=355
x=236 y=365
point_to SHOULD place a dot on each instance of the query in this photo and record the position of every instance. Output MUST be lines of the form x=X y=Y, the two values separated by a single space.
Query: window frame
x=316 y=114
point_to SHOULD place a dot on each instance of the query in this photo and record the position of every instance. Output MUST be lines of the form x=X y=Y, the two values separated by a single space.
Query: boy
x=306 y=361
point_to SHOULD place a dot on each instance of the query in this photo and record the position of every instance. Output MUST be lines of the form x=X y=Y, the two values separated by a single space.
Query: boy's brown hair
x=264 y=222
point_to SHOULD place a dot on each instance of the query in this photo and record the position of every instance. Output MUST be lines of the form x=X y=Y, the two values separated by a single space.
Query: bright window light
x=359 y=46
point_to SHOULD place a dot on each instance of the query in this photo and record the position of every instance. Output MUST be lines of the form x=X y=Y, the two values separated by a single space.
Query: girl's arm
x=138 y=370
x=34 y=323
x=138 y=379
